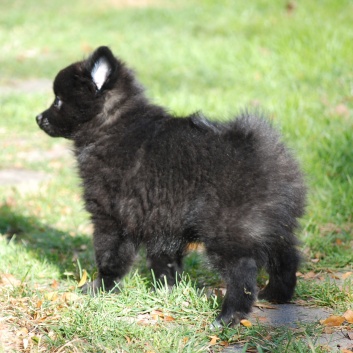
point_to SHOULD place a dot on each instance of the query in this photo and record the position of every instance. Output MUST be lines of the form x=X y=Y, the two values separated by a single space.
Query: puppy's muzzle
x=39 y=118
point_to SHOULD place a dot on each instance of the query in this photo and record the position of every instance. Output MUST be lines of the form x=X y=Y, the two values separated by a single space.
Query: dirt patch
x=24 y=180
x=34 y=85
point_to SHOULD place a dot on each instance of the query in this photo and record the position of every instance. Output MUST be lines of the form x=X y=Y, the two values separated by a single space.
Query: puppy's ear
x=102 y=66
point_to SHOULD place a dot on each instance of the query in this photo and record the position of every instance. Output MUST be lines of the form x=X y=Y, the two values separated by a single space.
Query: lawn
x=290 y=59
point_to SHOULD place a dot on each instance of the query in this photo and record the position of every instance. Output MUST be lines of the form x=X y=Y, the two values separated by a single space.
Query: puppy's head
x=79 y=93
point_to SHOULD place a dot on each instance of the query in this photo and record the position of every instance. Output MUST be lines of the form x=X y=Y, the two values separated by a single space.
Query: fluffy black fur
x=154 y=179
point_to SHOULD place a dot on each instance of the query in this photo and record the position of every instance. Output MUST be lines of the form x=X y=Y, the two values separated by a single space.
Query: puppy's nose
x=39 y=118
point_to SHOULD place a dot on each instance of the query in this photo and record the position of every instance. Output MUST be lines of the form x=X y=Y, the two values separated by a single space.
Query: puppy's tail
x=253 y=129
x=258 y=142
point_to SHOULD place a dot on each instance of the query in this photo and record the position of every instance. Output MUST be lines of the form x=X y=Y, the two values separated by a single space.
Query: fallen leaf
x=310 y=275
x=7 y=279
x=69 y=297
x=346 y=275
x=246 y=323
x=185 y=340
x=224 y=343
x=348 y=315
x=83 y=279
x=265 y=306
x=214 y=340
x=42 y=319
x=333 y=320
x=128 y=339
x=55 y=284
x=329 y=330
x=235 y=338
x=301 y=302
x=168 y=318
x=146 y=319
x=52 y=296
x=22 y=332
x=350 y=335
x=155 y=314
x=346 y=351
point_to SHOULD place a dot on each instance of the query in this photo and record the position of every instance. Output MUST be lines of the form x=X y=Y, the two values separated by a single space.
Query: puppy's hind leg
x=240 y=276
x=282 y=267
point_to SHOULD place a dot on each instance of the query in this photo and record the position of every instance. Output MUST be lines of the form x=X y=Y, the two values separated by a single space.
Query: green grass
x=218 y=56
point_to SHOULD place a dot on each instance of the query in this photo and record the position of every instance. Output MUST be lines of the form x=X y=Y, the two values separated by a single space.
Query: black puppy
x=154 y=179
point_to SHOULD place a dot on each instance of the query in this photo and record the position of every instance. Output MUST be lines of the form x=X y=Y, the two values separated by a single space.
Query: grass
x=291 y=59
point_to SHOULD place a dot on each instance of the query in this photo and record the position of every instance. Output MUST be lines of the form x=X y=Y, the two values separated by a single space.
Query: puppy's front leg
x=114 y=251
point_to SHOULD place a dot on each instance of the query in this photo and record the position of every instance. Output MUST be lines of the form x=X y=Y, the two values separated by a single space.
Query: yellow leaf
x=69 y=297
x=168 y=318
x=22 y=332
x=310 y=275
x=246 y=323
x=52 y=296
x=346 y=275
x=214 y=340
x=83 y=279
x=224 y=343
x=128 y=339
x=157 y=313
x=348 y=315
x=346 y=351
x=333 y=320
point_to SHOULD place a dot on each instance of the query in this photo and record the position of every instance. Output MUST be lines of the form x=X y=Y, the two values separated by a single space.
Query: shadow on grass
x=65 y=251
x=46 y=243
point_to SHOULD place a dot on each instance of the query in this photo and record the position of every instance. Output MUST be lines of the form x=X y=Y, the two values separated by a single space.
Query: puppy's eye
x=58 y=103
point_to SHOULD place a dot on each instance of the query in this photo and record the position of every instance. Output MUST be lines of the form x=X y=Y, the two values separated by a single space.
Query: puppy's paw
x=227 y=320
x=92 y=288
x=98 y=286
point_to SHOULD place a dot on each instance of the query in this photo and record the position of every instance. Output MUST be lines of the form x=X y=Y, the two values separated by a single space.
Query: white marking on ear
x=100 y=72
